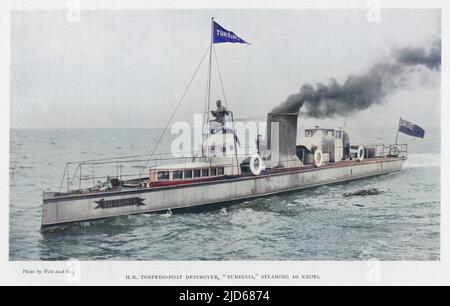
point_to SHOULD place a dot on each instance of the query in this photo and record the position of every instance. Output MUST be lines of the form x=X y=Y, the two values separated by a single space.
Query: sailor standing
x=220 y=113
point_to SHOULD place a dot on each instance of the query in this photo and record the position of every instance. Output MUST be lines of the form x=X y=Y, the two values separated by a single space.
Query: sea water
x=401 y=221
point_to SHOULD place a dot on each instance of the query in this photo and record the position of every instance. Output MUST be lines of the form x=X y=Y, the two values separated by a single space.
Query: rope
x=176 y=108
x=205 y=114
x=226 y=103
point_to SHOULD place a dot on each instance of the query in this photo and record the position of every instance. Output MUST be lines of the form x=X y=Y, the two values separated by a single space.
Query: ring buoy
x=256 y=164
x=394 y=151
x=318 y=158
x=360 y=155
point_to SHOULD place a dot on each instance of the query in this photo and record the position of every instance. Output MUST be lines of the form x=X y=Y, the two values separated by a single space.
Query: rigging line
x=205 y=114
x=226 y=103
x=176 y=108
x=220 y=77
x=209 y=84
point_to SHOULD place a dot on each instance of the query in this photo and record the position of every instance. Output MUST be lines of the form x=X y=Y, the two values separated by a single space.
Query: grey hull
x=77 y=208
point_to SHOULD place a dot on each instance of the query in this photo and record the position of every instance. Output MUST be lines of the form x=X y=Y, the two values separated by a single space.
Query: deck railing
x=94 y=173
x=91 y=173
x=385 y=150
x=133 y=166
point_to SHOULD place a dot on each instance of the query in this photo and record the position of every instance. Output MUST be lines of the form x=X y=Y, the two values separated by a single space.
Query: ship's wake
x=423 y=160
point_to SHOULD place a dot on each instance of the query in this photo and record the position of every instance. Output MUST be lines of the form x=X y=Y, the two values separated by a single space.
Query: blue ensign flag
x=221 y=35
x=410 y=129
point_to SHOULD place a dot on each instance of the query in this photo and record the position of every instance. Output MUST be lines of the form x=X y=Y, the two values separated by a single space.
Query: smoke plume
x=359 y=92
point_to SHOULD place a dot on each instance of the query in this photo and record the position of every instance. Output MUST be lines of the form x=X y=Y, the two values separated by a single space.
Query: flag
x=410 y=129
x=222 y=35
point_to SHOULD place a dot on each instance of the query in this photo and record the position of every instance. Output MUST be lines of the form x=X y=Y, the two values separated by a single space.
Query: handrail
x=125 y=164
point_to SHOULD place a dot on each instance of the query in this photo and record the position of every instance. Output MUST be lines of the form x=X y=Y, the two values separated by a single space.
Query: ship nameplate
x=105 y=204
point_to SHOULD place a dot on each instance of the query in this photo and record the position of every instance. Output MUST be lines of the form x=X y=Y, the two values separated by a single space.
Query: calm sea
x=401 y=222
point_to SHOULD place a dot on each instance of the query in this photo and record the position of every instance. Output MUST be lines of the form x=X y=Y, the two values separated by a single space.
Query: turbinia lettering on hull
x=104 y=204
x=196 y=296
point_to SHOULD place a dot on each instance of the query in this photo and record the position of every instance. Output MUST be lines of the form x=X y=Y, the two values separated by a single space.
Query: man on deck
x=220 y=113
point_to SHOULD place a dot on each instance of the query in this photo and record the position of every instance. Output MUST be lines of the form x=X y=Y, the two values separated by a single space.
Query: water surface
x=401 y=221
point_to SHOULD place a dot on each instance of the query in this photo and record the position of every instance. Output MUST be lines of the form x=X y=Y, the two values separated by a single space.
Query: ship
x=221 y=174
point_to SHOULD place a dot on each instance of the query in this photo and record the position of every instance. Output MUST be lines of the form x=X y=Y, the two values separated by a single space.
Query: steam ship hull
x=60 y=210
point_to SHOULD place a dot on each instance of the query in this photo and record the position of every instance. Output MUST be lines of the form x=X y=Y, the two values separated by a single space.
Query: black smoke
x=419 y=56
x=359 y=92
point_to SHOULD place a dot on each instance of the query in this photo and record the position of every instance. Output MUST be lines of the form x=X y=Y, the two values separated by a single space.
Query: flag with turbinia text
x=222 y=35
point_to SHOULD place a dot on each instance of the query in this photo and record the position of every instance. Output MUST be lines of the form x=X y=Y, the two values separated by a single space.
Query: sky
x=128 y=68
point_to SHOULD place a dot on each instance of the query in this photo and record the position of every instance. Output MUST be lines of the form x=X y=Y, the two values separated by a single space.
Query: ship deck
x=48 y=197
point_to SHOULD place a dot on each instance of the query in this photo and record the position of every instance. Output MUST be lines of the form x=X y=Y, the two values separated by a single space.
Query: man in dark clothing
x=220 y=113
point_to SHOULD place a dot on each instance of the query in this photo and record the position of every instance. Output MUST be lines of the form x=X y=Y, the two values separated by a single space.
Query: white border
x=331 y=272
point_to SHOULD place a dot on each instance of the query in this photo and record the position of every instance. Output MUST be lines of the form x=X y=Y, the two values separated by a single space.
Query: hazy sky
x=127 y=68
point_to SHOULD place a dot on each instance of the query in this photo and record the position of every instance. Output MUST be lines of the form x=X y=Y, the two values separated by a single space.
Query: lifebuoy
x=256 y=164
x=360 y=155
x=394 y=151
x=318 y=158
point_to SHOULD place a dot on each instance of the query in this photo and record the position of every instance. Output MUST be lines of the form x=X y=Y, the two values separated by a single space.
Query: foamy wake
x=423 y=160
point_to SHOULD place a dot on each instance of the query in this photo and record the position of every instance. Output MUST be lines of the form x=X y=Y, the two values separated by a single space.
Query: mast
x=210 y=70
x=208 y=86
x=209 y=94
x=398 y=128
